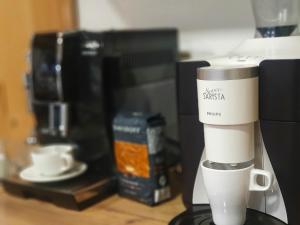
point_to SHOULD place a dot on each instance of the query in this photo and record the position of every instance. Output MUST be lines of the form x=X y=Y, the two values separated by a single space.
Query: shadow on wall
x=185 y=15
x=207 y=27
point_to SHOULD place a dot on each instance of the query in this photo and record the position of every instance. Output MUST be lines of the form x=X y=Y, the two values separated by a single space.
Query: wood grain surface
x=112 y=211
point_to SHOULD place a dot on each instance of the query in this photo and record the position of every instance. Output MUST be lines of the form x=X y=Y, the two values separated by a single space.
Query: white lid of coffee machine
x=228 y=95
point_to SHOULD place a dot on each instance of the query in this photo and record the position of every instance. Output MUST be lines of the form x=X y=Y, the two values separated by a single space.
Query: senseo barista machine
x=274 y=134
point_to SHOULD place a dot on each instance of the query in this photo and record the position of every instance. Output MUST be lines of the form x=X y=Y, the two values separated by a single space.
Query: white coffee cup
x=52 y=160
x=60 y=148
x=228 y=187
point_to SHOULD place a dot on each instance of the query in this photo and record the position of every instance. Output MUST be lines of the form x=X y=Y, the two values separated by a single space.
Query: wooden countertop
x=112 y=211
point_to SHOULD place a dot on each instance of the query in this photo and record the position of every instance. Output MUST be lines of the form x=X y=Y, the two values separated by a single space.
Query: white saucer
x=29 y=174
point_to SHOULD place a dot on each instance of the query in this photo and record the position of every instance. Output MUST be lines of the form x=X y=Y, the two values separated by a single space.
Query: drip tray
x=201 y=215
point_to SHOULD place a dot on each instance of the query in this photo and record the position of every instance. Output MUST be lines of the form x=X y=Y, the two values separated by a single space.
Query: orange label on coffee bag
x=132 y=158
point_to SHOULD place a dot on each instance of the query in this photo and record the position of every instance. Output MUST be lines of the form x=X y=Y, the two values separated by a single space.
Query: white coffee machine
x=228 y=109
x=276 y=133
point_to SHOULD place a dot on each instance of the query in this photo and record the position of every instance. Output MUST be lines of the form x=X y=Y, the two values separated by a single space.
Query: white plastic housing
x=229 y=144
x=228 y=102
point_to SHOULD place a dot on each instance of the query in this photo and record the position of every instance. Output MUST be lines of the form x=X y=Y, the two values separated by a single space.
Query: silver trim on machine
x=227 y=72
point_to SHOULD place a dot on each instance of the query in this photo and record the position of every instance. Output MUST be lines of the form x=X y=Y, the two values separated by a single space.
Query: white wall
x=207 y=27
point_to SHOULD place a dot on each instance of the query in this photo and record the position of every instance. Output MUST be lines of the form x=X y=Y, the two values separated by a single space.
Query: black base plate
x=201 y=215
x=76 y=194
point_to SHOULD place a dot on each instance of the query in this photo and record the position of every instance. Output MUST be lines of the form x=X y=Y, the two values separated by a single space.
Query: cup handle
x=254 y=186
x=68 y=161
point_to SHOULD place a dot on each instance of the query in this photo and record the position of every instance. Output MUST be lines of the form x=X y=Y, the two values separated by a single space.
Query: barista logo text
x=213 y=94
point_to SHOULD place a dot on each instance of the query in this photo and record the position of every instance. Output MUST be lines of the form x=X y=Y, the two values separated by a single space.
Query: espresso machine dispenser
x=77 y=83
x=276 y=133
x=67 y=94
x=67 y=98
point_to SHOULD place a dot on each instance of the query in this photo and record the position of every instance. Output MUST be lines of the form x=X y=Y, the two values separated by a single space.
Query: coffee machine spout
x=58 y=119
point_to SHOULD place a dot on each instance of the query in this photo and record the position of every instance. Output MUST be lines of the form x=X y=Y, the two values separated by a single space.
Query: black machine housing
x=78 y=82
x=279 y=113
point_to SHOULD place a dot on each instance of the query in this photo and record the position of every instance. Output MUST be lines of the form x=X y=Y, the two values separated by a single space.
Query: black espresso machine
x=78 y=82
